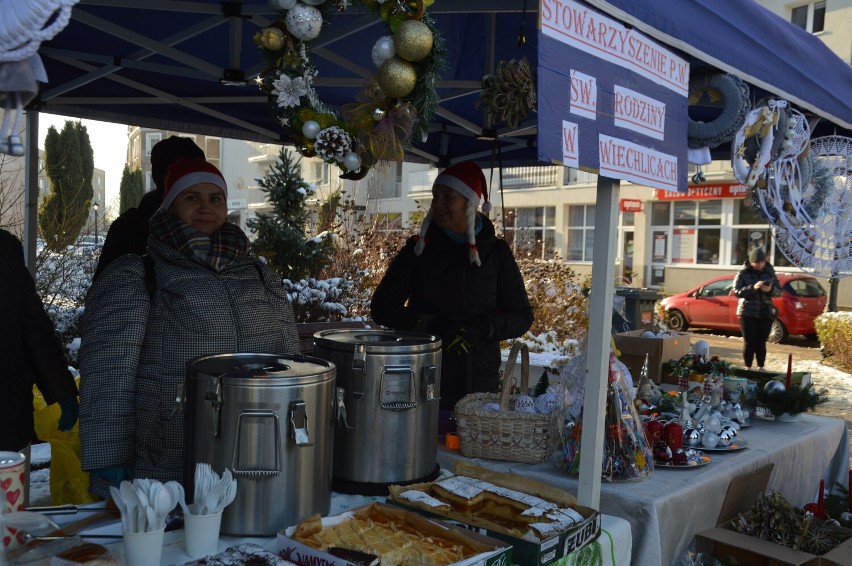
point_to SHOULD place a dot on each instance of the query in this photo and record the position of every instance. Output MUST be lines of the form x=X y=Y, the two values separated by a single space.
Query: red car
x=714 y=305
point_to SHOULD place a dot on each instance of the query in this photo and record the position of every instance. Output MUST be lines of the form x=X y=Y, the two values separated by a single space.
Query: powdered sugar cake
x=247 y=554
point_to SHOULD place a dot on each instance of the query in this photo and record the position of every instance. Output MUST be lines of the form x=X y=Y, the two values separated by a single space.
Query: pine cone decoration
x=333 y=143
x=509 y=95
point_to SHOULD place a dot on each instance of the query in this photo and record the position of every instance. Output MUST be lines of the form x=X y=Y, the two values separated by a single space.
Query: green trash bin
x=639 y=306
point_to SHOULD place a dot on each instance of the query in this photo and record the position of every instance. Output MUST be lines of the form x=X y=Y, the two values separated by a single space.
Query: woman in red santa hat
x=458 y=280
x=199 y=292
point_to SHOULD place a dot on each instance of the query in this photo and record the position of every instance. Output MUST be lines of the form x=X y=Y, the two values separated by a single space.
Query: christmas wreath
x=734 y=94
x=395 y=104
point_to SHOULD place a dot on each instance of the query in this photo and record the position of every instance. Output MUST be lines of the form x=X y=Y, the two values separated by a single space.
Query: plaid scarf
x=216 y=252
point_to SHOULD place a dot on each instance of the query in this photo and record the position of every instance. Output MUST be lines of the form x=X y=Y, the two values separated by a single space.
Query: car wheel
x=677 y=321
x=777 y=333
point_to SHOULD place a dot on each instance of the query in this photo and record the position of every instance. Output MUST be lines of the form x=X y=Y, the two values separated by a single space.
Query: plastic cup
x=13 y=469
x=202 y=534
x=143 y=549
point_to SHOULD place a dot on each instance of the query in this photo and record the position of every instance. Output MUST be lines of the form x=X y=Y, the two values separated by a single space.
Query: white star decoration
x=289 y=90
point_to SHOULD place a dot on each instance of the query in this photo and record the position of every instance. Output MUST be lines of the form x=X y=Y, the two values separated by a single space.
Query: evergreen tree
x=131 y=189
x=69 y=162
x=280 y=234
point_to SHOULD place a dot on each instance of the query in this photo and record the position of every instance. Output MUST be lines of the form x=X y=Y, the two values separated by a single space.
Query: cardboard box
x=490 y=552
x=724 y=541
x=527 y=550
x=659 y=350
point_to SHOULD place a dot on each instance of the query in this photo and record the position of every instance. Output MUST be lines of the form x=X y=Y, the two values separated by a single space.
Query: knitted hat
x=757 y=254
x=166 y=151
x=467 y=179
x=186 y=172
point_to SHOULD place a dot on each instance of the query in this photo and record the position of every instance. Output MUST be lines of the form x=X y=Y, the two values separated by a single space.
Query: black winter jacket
x=443 y=289
x=29 y=347
x=128 y=233
x=753 y=303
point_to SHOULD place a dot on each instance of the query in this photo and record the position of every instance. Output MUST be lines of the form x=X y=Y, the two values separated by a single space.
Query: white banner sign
x=621 y=159
x=639 y=113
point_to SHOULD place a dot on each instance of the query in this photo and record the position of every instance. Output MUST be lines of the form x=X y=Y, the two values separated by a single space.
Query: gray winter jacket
x=135 y=349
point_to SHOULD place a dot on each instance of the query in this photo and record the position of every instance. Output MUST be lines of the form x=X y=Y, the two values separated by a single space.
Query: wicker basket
x=503 y=434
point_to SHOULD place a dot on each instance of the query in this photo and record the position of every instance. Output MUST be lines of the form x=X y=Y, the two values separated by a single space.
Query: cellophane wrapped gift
x=627 y=455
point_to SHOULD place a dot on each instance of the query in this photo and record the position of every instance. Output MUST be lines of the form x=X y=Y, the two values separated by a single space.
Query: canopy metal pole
x=31 y=170
x=600 y=326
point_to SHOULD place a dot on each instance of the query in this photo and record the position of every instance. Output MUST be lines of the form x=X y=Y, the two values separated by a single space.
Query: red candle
x=820 y=504
x=789 y=381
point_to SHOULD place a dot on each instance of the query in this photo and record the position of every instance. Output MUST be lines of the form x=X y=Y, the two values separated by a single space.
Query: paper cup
x=202 y=534
x=143 y=549
x=13 y=471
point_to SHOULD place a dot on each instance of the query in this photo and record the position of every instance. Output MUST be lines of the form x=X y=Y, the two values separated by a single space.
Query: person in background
x=128 y=234
x=457 y=280
x=31 y=352
x=756 y=285
x=210 y=297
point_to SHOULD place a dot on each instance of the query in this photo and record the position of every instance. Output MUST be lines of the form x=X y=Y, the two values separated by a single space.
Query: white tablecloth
x=667 y=510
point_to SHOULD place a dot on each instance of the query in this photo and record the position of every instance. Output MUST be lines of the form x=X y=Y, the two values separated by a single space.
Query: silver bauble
x=725 y=438
x=691 y=437
x=310 y=129
x=710 y=440
x=383 y=50
x=283 y=4
x=351 y=161
x=774 y=386
x=379 y=114
x=304 y=22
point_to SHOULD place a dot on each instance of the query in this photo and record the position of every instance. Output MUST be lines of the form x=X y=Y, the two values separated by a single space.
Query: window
x=212 y=148
x=692 y=234
x=809 y=17
x=581 y=232
x=531 y=231
x=151 y=140
x=750 y=231
x=388 y=221
x=717 y=288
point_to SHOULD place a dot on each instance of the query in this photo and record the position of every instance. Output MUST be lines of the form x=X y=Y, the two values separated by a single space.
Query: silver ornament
x=283 y=4
x=310 y=129
x=710 y=440
x=304 y=22
x=379 y=114
x=774 y=386
x=725 y=438
x=691 y=437
x=732 y=430
x=383 y=50
x=351 y=161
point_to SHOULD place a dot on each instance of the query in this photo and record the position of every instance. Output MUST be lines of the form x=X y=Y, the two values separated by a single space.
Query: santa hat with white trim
x=188 y=171
x=467 y=179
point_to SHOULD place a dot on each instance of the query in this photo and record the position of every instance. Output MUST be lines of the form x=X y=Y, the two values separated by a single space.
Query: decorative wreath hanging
x=395 y=105
x=734 y=94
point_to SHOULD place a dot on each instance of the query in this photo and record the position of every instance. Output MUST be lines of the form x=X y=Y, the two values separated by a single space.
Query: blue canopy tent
x=188 y=66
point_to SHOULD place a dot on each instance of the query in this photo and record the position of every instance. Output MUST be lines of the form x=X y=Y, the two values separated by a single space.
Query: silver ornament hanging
x=304 y=22
x=379 y=114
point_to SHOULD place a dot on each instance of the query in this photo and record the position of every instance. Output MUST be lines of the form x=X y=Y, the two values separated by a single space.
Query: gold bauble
x=412 y=40
x=397 y=77
x=272 y=39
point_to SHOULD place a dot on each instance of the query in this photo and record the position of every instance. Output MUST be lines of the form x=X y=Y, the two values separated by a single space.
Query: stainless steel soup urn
x=269 y=419
x=387 y=394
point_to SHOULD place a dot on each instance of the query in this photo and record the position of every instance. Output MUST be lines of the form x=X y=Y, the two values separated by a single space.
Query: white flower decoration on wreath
x=289 y=89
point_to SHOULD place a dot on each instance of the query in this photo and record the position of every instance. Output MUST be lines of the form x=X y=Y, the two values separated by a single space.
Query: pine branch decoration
x=509 y=95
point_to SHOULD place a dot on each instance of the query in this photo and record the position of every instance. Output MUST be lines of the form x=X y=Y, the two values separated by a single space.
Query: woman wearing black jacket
x=459 y=281
x=756 y=285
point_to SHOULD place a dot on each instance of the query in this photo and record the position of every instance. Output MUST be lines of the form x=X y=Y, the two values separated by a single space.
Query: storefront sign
x=630 y=205
x=610 y=99
x=719 y=190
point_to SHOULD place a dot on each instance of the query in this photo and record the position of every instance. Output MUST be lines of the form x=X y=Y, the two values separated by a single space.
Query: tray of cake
x=541 y=522
x=390 y=536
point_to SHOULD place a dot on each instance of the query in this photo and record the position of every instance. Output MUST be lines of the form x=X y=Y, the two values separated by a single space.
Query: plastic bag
x=69 y=484
x=627 y=456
